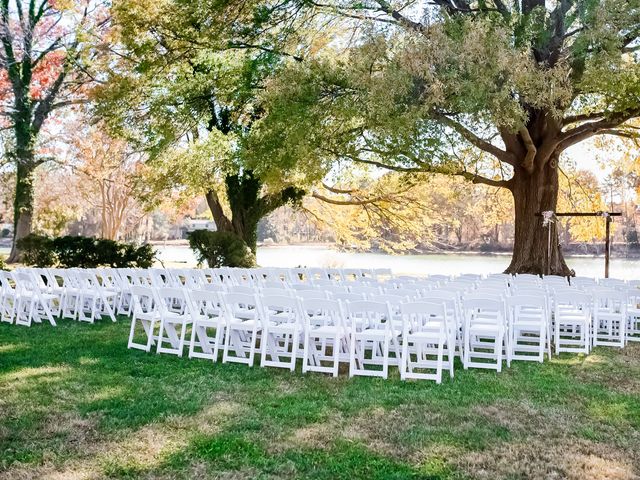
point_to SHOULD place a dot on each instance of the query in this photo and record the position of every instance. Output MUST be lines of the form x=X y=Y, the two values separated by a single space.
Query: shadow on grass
x=75 y=395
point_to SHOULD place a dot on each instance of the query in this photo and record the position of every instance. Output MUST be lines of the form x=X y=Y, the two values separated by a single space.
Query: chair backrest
x=282 y=291
x=450 y=299
x=484 y=308
x=416 y=316
x=610 y=300
x=393 y=300
x=205 y=303
x=311 y=294
x=336 y=289
x=517 y=304
x=612 y=282
x=240 y=305
x=366 y=290
x=144 y=300
x=369 y=314
x=322 y=312
x=214 y=287
x=279 y=308
x=351 y=274
x=531 y=289
x=491 y=291
x=347 y=296
x=571 y=298
x=441 y=279
x=250 y=290
x=172 y=300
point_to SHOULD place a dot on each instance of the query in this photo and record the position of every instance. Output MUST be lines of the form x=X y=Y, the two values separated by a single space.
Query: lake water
x=449 y=263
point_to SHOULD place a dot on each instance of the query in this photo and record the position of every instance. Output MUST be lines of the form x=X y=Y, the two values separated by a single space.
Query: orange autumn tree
x=107 y=171
x=46 y=50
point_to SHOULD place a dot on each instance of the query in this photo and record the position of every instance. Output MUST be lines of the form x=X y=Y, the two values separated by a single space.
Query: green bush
x=83 y=252
x=3 y=266
x=221 y=249
x=37 y=250
x=73 y=251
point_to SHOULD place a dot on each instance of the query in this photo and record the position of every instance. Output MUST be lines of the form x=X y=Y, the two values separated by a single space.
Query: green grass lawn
x=75 y=403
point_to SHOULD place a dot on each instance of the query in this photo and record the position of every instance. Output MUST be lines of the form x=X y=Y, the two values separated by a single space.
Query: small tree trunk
x=22 y=206
x=536 y=248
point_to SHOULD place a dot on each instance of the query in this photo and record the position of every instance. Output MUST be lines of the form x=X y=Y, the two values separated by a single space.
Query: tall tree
x=107 y=169
x=522 y=81
x=185 y=91
x=42 y=69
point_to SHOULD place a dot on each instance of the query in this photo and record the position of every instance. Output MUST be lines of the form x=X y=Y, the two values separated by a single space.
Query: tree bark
x=536 y=248
x=22 y=206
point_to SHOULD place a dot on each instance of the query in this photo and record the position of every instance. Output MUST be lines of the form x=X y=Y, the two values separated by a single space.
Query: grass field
x=75 y=403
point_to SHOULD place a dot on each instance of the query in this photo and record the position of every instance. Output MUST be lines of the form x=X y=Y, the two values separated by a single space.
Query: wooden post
x=607 y=247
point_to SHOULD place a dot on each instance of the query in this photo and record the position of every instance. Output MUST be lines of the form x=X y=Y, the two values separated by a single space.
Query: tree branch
x=528 y=162
x=475 y=178
x=502 y=155
x=401 y=19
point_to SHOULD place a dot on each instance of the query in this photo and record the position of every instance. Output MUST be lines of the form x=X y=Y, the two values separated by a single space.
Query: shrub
x=75 y=252
x=3 y=266
x=37 y=250
x=84 y=252
x=221 y=249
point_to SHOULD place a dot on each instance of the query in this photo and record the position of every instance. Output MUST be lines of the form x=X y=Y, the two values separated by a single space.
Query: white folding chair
x=94 y=300
x=484 y=332
x=243 y=326
x=572 y=321
x=281 y=331
x=609 y=317
x=175 y=316
x=371 y=334
x=633 y=314
x=145 y=310
x=529 y=328
x=9 y=297
x=208 y=325
x=325 y=336
x=425 y=341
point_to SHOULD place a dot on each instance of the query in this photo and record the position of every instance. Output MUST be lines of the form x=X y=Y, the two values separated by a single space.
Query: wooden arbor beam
x=608 y=217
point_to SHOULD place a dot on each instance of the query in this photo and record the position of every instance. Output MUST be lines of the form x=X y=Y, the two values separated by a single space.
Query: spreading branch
x=502 y=155
x=528 y=162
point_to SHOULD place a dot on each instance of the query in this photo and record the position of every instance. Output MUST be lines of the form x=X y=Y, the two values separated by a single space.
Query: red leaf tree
x=47 y=48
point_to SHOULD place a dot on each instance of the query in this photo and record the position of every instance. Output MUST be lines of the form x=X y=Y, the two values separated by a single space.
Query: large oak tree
x=414 y=83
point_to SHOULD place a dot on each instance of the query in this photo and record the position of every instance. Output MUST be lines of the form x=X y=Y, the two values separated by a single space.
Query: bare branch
x=480 y=143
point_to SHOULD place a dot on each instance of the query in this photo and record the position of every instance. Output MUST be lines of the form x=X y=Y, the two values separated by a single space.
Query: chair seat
x=325 y=330
x=240 y=324
x=486 y=328
x=177 y=318
x=284 y=327
x=424 y=335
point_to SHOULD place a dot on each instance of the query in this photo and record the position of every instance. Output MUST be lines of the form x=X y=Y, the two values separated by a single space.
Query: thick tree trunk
x=22 y=206
x=536 y=247
x=241 y=223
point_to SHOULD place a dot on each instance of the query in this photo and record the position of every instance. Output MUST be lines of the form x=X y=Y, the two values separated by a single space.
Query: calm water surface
x=449 y=263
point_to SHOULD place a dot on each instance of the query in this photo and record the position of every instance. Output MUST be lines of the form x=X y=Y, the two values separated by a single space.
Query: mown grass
x=75 y=403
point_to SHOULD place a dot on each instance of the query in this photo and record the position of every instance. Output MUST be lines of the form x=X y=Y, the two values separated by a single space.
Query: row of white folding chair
x=633 y=314
x=23 y=302
x=360 y=332
x=596 y=316
x=83 y=296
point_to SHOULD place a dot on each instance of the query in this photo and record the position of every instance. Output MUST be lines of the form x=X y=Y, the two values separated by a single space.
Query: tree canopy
x=419 y=84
